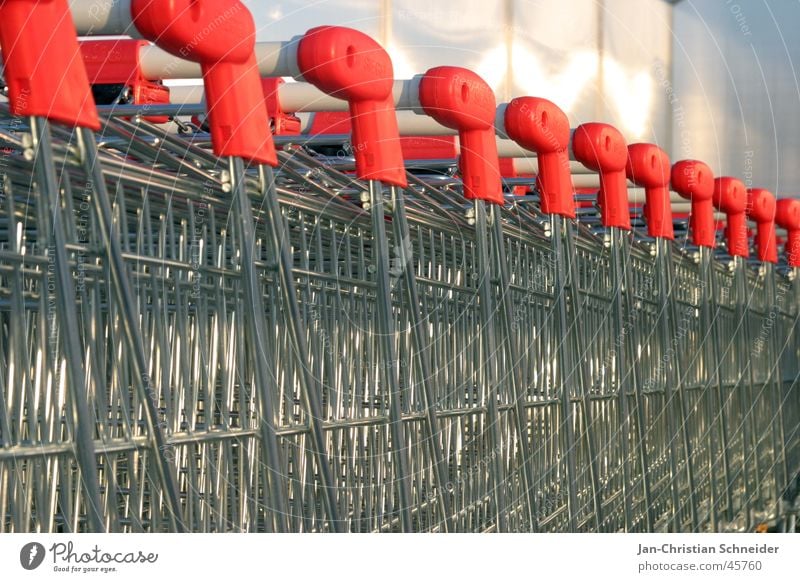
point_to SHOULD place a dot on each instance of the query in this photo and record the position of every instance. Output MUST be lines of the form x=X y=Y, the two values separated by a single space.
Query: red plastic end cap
x=459 y=99
x=282 y=123
x=43 y=65
x=113 y=62
x=203 y=31
x=761 y=208
x=600 y=147
x=694 y=181
x=330 y=123
x=220 y=35
x=730 y=197
x=439 y=147
x=350 y=65
x=540 y=126
x=788 y=216
x=648 y=166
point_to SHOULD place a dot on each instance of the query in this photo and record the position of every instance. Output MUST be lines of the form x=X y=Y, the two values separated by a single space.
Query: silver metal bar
x=258 y=336
x=751 y=455
x=422 y=355
x=125 y=303
x=514 y=363
x=64 y=291
x=386 y=338
x=309 y=385
x=621 y=321
x=631 y=344
x=488 y=366
x=711 y=356
x=775 y=380
x=675 y=391
x=577 y=366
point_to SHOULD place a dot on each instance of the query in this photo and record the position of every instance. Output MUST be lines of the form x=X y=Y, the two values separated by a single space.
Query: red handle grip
x=600 y=147
x=694 y=181
x=43 y=65
x=237 y=112
x=540 y=126
x=459 y=99
x=730 y=197
x=761 y=207
x=648 y=166
x=220 y=35
x=787 y=215
x=348 y=64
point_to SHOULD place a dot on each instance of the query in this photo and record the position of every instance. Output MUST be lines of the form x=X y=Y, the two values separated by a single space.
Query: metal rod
x=567 y=362
x=514 y=380
x=631 y=346
x=310 y=386
x=574 y=330
x=620 y=323
x=256 y=327
x=489 y=365
x=82 y=418
x=675 y=388
x=129 y=318
x=422 y=355
x=711 y=359
x=386 y=338
x=774 y=379
x=752 y=459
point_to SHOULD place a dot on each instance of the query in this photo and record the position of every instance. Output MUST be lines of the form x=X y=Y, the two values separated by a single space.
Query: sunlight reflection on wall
x=595 y=59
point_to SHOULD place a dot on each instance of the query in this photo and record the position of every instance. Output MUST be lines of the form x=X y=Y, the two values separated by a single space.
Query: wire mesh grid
x=540 y=374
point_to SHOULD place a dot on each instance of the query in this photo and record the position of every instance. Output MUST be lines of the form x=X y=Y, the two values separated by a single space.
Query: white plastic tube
x=103 y=17
x=275 y=59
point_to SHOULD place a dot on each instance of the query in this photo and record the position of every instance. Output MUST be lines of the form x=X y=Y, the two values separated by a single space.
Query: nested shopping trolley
x=216 y=317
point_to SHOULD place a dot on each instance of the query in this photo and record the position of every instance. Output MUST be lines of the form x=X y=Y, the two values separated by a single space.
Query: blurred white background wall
x=735 y=75
x=709 y=79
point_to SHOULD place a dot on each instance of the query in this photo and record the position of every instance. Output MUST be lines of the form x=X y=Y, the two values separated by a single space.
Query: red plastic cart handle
x=540 y=126
x=43 y=65
x=761 y=209
x=787 y=215
x=730 y=197
x=600 y=147
x=348 y=64
x=694 y=181
x=648 y=166
x=459 y=99
x=220 y=35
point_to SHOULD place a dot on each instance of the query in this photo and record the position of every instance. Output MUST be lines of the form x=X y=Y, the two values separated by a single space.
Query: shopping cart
x=193 y=340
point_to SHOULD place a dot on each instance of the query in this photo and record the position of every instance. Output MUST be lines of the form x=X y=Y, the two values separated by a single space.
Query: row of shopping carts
x=208 y=327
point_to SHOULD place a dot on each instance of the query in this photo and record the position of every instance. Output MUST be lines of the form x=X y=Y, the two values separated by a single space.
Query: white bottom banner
x=459 y=557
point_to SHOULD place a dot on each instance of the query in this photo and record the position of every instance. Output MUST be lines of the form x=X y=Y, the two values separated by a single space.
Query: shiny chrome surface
x=444 y=366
